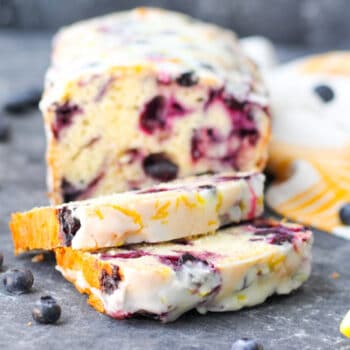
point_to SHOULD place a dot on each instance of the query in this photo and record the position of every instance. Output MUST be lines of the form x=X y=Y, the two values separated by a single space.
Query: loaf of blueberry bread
x=147 y=96
x=161 y=213
x=229 y=270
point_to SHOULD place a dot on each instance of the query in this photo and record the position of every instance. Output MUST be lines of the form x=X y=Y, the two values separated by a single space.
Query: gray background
x=315 y=23
x=308 y=319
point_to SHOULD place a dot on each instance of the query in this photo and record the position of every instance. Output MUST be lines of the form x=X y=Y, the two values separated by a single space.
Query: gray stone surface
x=308 y=319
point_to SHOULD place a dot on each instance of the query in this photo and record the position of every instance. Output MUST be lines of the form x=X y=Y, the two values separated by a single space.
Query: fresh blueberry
x=158 y=166
x=4 y=129
x=324 y=92
x=187 y=79
x=18 y=281
x=23 y=101
x=344 y=214
x=46 y=310
x=246 y=344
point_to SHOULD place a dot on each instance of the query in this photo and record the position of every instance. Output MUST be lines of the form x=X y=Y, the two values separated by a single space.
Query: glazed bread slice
x=234 y=268
x=147 y=96
x=164 y=212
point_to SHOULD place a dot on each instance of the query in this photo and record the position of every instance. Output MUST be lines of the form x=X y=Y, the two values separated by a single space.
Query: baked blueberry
x=109 y=281
x=23 y=101
x=198 y=147
x=175 y=109
x=344 y=214
x=72 y=193
x=202 y=141
x=206 y=187
x=152 y=190
x=46 y=310
x=70 y=225
x=153 y=115
x=187 y=79
x=324 y=92
x=246 y=344
x=64 y=117
x=187 y=257
x=69 y=191
x=277 y=235
x=158 y=166
x=18 y=281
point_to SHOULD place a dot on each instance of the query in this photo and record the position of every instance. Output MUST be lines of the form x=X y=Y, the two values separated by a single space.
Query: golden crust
x=36 y=229
x=75 y=260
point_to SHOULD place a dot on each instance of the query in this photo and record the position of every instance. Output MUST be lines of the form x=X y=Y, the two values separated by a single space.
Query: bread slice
x=147 y=96
x=234 y=268
x=164 y=212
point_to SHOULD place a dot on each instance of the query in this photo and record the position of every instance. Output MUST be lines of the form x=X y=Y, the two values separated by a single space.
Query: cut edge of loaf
x=37 y=229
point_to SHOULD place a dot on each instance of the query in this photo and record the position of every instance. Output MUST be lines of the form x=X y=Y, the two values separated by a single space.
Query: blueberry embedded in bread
x=168 y=211
x=231 y=269
x=178 y=87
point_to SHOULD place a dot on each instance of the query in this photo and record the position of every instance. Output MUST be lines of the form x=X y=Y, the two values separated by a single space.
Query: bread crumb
x=38 y=258
x=335 y=275
x=29 y=324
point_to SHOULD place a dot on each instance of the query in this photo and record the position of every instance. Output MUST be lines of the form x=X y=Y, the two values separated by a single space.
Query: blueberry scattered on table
x=46 y=310
x=23 y=101
x=4 y=129
x=325 y=93
x=246 y=344
x=18 y=281
x=344 y=214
